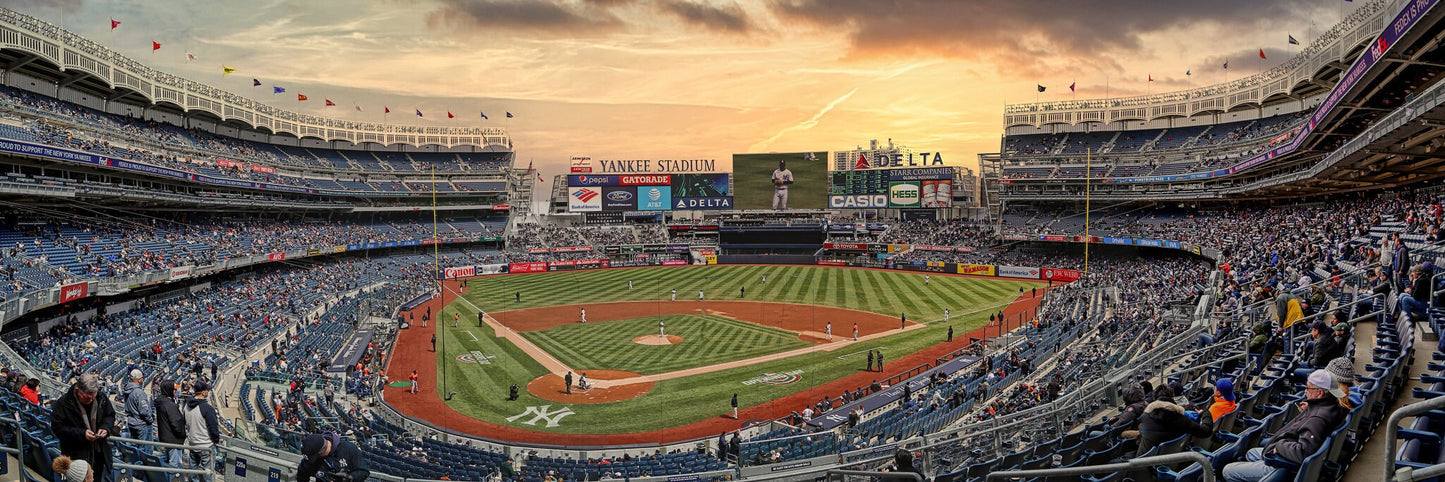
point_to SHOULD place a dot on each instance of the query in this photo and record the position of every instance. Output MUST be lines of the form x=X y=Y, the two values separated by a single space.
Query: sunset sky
x=693 y=79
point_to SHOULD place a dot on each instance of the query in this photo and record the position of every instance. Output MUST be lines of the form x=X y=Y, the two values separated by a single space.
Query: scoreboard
x=859 y=182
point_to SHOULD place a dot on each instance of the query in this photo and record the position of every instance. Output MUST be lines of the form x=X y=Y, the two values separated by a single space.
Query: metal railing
x=1207 y=475
x=1392 y=430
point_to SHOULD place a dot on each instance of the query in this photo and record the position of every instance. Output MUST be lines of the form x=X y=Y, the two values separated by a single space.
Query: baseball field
x=788 y=340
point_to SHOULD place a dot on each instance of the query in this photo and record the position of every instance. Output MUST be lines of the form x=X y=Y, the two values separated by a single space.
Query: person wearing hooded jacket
x=1164 y=420
x=203 y=430
x=139 y=413
x=1134 y=404
x=170 y=423
x=1324 y=409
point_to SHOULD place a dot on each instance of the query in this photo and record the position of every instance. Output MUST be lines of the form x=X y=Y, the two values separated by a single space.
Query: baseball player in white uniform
x=629 y=284
x=782 y=178
x=674 y=294
x=584 y=315
x=828 y=330
x=945 y=315
x=699 y=295
x=661 y=329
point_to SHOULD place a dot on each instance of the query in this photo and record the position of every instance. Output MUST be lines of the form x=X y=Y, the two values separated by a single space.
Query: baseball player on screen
x=782 y=177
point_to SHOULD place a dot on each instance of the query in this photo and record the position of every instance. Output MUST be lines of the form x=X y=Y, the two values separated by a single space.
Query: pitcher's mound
x=657 y=340
x=554 y=388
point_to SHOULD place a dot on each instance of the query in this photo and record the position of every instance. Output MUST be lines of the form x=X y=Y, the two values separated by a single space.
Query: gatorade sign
x=905 y=194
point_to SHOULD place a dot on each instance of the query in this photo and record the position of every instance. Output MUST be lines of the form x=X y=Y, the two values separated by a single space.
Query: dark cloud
x=1027 y=35
x=539 y=15
x=730 y=18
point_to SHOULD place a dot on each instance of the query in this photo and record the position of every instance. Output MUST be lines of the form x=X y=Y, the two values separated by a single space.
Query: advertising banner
x=858 y=201
x=72 y=292
x=678 y=248
x=1018 y=272
x=1171 y=244
x=832 y=262
x=937 y=194
x=907 y=194
x=619 y=198
x=276 y=257
x=1149 y=242
x=921 y=174
x=1108 y=240
x=1051 y=238
x=263 y=169
x=592 y=180
x=584 y=199
x=678 y=262
x=230 y=163
x=701 y=203
x=653 y=198
x=338 y=249
x=929 y=247
x=182 y=272
x=846 y=246
x=570 y=249
x=976 y=269
x=753 y=175
x=581 y=164
x=484 y=269
x=646 y=180
x=537 y=250
x=460 y=271
x=1057 y=274
x=538 y=267
x=897 y=248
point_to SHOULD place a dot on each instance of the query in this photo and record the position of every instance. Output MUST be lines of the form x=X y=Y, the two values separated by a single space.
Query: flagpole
x=1088 y=181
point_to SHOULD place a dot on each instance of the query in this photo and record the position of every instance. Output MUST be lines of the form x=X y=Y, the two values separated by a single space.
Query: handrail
x=1138 y=463
x=913 y=476
x=1392 y=430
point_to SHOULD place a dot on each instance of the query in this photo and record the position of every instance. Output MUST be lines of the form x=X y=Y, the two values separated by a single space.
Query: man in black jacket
x=1164 y=420
x=1320 y=414
x=1415 y=301
x=329 y=458
x=1133 y=408
x=83 y=420
x=170 y=423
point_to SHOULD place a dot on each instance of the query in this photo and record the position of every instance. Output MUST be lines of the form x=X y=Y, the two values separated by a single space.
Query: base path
x=413 y=351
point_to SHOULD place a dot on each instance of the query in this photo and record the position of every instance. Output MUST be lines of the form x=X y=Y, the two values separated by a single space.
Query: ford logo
x=619 y=196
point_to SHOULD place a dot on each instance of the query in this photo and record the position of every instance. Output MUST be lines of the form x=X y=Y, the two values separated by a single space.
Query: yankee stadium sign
x=657 y=166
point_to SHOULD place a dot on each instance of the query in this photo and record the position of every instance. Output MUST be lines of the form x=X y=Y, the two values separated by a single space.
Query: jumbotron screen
x=794 y=180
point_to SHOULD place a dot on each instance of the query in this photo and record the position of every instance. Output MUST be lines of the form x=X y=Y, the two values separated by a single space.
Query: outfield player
x=674 y=294
x=584 y=315
x=629 y=284
x=945 y=315
x=782 y=178
x=699 y=295
x=926 y=279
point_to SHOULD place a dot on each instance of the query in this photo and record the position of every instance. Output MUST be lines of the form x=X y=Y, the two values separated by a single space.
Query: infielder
x=661 y=329
x=828 y=330
x=782 y=177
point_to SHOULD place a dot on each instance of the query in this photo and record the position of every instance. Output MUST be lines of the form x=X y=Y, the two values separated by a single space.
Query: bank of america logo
x=584 y=195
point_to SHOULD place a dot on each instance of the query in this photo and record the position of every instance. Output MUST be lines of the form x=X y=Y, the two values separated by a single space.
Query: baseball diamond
x=775 y=336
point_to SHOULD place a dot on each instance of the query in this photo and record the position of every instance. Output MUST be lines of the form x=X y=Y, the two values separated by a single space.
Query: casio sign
x=858 y=201
x=619 y=196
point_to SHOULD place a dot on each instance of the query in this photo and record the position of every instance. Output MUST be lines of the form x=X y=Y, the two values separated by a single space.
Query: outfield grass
x=481 y=389
x=707 y=340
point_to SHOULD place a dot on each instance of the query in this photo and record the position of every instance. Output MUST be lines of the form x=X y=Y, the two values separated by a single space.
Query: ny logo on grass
x=543 y=413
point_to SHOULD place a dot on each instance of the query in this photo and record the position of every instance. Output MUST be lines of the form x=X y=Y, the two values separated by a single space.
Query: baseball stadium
x=666 y=249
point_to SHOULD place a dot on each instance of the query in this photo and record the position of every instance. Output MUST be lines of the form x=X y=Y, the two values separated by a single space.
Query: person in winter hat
x=1165 y=420
x=72 y=470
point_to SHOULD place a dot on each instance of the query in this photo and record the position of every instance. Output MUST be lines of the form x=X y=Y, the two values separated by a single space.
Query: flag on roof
x=114 y=23
x=484 y=115
x=1226 y=65
x=386 y=109
x=358 y=107
x=449 y=115
x=300 y=97
x=155 y=46
x=418 y=113
x=1292 y=40
x=1071 y=86
x=529 y=167
x=190 y=57
x=228 y=70
x=509 y=115
x=1151 y=77
x=1188 y=72
x=277 y=90
x=254 y=82
x=1261 y=54
x=329 y=103
x=1041 y=87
